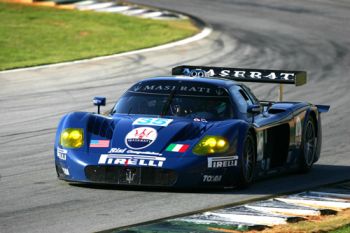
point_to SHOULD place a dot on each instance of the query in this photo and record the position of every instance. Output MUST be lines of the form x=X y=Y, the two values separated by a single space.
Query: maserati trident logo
x=141 y=137
x=129 y=176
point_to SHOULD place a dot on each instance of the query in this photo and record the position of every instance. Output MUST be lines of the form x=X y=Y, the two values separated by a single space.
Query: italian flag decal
x=177 y=147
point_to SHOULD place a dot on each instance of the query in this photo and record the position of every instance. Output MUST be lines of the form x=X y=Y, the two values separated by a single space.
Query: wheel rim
x=310 y=144
x=248 y=162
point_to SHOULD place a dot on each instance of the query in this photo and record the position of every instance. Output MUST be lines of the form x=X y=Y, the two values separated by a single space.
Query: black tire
x=308 y=147
x=247 y=167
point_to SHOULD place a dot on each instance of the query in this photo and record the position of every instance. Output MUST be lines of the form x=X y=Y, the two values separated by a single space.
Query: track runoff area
x=256 y=216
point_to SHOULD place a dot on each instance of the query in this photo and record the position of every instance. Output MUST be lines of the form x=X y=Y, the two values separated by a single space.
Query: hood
x=144 y=141
x=145 y=135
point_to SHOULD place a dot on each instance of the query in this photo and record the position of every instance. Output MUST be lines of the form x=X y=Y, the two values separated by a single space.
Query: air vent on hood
x=189 y=132
x=101 y=126
x=276 y=110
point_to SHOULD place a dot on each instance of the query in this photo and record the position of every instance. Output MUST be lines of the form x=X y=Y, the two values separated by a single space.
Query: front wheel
x=308 y=147
x=248 y=162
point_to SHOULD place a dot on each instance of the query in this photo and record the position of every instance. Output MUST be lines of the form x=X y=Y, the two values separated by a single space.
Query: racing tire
x=247 y=167
x=308 y=147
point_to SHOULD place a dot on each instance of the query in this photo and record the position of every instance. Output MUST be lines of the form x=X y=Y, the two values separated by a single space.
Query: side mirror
x=254 y=109
x=99 y=101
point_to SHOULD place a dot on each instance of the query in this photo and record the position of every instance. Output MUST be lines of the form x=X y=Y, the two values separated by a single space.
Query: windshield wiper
x=167 y=103
x=130 y=109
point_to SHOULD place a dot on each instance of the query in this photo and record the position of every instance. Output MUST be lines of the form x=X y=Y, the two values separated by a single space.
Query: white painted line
x=334 y=205
x=151 y=14
x=96 y=6
x=114 y=9
x=84 y=3
x=170 y=15
x=204 y=33
x=251 y=219
x=285 y=211
x=210 y=219
x=134 y=12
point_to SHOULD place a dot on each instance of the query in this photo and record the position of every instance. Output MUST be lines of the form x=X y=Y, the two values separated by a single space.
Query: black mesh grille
x=131 y=175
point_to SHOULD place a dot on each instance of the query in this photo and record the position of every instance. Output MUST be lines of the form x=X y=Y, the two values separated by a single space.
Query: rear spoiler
x=297 y=78
x=243 y=75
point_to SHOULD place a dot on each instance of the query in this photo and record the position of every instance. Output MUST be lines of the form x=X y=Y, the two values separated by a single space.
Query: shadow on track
x=274 y=185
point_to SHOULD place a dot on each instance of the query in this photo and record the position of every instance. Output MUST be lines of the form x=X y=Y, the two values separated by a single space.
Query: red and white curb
x=279 y=210
x=130 y=10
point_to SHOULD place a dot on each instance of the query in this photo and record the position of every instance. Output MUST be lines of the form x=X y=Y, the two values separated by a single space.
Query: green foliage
x=344 y=229
x=41 y=35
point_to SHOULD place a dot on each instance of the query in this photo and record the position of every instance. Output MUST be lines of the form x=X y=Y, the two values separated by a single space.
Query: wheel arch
x=314 y=114
x=253 y=132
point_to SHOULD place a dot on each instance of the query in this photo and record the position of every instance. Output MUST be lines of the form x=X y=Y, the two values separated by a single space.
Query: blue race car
x=199 y=128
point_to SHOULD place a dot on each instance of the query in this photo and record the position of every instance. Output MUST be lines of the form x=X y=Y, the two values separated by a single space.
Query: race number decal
x=152 y=121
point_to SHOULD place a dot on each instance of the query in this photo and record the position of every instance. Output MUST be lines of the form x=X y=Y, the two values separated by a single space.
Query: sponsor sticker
x=132 y=160
x=177 y=148
x=126 y=151
x=181 y=88
x=221 y=162
x=62 y=154
x=200 y=119
x=99 y=143
x=152 y=121
x=186 y=89
x=212 y=178
x=298 y=130
x=140 y=138
x=117 y=150
x=254 y=74
x=260 y=145
x=65 y=171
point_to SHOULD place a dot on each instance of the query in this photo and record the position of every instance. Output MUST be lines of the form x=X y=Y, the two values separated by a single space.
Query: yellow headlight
x=211 y=145
x=72 y=138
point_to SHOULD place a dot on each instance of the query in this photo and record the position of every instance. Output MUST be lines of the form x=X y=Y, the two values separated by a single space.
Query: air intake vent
x=276 y=110
x=101 y=126
x=131 y=175
x=187 y=133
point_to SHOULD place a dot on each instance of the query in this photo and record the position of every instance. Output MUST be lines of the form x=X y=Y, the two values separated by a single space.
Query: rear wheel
x=309 y=146
x=248 y=162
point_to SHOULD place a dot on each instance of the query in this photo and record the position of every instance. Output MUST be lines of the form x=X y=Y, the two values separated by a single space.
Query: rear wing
x=297 y=78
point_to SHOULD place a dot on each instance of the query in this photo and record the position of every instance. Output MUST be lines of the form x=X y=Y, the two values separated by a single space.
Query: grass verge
x=332 y=223
x=40 y=35
x=344 y=229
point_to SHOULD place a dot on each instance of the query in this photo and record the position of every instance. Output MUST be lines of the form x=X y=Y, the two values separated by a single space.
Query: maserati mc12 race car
x=200 y=127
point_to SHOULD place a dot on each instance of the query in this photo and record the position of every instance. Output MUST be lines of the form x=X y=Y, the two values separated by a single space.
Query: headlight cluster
x=211 y=145
x=72 y=138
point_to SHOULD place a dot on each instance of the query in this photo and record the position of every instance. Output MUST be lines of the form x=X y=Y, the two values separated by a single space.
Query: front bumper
x=181 y=172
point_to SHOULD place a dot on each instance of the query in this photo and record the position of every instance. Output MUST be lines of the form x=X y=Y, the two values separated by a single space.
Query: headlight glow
x=72 y=138
x=211 y=145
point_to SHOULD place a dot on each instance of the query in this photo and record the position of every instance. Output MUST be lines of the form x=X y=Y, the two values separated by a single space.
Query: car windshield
x=182 y=106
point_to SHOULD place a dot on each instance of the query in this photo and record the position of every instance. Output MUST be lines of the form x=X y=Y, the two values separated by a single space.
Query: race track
x=303 y=34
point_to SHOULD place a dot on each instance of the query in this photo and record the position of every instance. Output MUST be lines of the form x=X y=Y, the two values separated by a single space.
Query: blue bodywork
x=115 y=150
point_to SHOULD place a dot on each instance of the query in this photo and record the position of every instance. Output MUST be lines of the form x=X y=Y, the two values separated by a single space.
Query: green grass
x=41 y=35
x=339 y=223
x=345 y=229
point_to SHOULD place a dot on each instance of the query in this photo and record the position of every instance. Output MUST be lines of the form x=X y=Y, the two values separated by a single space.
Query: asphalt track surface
x=304 y=35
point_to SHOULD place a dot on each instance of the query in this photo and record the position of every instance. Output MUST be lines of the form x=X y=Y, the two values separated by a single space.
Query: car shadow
x=278 y=184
